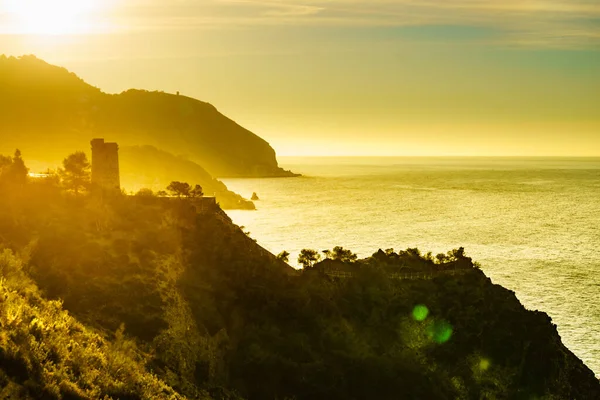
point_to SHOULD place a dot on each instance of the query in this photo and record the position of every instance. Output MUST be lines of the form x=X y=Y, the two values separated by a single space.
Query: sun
x=50 y=17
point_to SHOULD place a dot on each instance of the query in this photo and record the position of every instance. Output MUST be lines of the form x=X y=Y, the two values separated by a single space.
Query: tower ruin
x=105 y=165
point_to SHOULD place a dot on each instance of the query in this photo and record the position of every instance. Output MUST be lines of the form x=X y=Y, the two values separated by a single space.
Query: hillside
x=46 y=354
x=149 y=167
x=215 y=313
x=45 y=110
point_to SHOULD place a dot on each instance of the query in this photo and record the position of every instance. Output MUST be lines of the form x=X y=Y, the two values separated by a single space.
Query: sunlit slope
x=46 y=353
x=45 y=110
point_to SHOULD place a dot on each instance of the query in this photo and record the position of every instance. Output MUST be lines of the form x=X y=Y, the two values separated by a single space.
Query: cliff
x=214 y=314
x=45 y=109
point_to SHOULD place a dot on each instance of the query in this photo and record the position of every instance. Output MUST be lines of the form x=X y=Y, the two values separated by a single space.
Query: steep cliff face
x=45 y=109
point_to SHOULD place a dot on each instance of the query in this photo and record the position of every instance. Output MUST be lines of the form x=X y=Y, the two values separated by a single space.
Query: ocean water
x=533 y=224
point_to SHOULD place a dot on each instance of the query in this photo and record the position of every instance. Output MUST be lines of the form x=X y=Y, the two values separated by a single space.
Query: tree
x=145 y=192
x=75 y=174
x=18 y=170
x=441 y=258
x=179 y=189
x=197 y=191
x=4 y=162
x=413 y=252
x=162 y=193
x=341 y=254
x=284 y=256
x=13 y=169
x=457 y=254
x=308 y=258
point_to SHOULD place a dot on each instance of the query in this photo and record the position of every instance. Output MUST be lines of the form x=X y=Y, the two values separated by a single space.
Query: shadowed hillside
x=46 y=110
x=213 y=313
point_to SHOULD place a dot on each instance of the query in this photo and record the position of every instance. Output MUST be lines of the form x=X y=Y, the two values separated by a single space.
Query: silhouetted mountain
x=45 y=110
x=149 y=167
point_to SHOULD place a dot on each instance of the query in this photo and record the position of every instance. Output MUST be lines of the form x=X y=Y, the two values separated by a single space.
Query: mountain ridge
x=44 y=103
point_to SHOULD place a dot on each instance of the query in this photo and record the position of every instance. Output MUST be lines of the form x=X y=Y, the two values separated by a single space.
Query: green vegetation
x=46 y=353
x=76 y=174
x=308 y=257
x=188 y=296
x=183 y=189
x=13 y=169
x=340 y=254
x=409 y=261
x=284 y=256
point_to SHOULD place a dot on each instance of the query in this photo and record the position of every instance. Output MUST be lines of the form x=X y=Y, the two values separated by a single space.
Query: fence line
x=403 y=276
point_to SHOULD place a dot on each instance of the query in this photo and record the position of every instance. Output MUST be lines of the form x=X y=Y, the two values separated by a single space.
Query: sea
x=532 y=223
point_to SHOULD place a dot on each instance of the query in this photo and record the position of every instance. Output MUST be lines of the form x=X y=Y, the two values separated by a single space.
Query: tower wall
x=105 y=165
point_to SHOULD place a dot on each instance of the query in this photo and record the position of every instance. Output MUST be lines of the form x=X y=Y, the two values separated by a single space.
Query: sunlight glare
x=57 y=17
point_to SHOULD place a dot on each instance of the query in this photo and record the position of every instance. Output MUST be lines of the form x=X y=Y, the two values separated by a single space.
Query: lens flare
x=440 y=332
x=420 y=312
x=484 y=364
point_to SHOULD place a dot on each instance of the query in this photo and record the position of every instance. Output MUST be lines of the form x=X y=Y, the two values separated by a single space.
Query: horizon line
x=436 y=156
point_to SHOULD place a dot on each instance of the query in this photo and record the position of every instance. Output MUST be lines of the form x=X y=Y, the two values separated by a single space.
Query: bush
x=46 y=353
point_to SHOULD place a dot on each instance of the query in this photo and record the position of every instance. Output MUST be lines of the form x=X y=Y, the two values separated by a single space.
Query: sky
x=345 y=77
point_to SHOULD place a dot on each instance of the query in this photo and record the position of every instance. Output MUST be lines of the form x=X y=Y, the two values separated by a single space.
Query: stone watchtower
x=105 y=165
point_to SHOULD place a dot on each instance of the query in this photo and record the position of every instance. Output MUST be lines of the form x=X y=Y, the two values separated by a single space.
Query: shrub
x=46 y=353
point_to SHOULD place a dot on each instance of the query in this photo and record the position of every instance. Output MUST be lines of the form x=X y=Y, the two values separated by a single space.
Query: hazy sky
x=376 y=77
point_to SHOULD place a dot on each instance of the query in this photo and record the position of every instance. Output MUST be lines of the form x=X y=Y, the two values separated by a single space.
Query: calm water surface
x=534 y=224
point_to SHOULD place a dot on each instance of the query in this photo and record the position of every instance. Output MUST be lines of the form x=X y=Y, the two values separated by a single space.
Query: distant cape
x=46 y=111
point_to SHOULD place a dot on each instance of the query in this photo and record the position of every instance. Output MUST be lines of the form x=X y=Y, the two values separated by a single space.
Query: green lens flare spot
x=440 y=332
x=484 y=364
x=420 y=312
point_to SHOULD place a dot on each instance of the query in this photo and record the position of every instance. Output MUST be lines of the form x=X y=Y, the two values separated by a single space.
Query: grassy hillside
x=45 y=353
x=46 y=110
